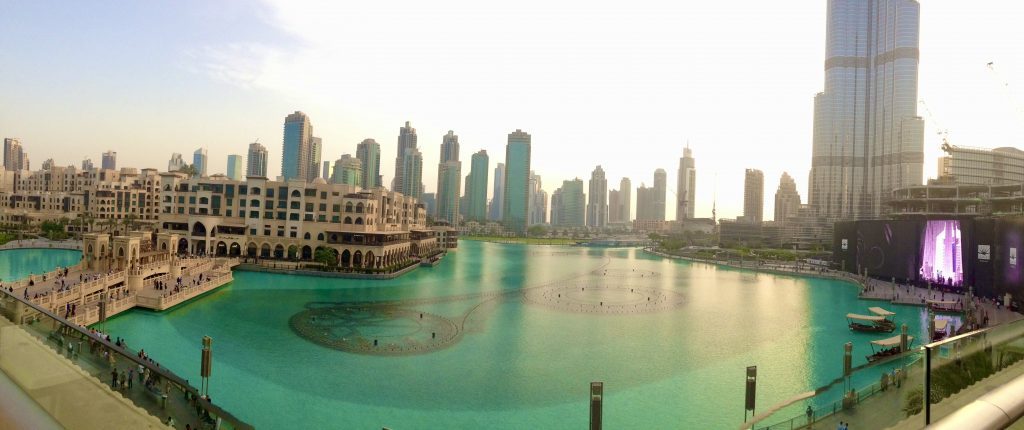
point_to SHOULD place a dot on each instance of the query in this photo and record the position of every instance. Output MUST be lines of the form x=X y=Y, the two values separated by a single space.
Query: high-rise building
x=625 y=198
x=449 y=180
x=235 y=167
x=412 y=173
x=868 y=139
x=645 y=206
x=498 y=197
x=326 y=171
x=296 y=149
x=753 y=196
x=538 y=212
x=316 y=149
x=257 y=162
x=347 y=170
x=476 y=187
x=87 y=164
x=109 y=160
x=660 y=178
x=176 y=163
x=686 y=186
x=13 y=154
x=199 y=163
x=568 y=205
x=47 y=164
x=429 y=203
x=368 y=153
x=978 y=166
x=517 y=182
x=597 y=206
x=787 y=199
x=405 y=182
x=619 y=202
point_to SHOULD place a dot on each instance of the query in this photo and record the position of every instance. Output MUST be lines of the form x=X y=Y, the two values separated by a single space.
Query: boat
x=887 y=347
x=940 y=330
x=881 y=312
x=948 y=306
x=870 y=323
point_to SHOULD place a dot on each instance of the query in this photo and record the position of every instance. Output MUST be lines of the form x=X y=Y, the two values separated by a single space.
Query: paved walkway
x=43 y=243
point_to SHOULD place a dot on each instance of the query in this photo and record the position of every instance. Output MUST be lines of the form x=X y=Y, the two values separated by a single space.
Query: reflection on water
x=497 y=347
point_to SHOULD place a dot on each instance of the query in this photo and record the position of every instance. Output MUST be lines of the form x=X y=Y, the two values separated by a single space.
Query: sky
x=622 y=85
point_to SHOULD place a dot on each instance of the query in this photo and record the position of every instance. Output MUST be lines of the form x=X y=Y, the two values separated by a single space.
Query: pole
x=927 y=385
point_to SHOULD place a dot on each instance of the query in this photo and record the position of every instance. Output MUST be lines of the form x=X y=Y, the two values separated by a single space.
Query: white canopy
x=940 y=325
x=881 y=312
x=865 y=317
x=892 y=341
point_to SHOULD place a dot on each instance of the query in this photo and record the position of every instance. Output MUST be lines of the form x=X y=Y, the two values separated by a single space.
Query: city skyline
x=230 y=79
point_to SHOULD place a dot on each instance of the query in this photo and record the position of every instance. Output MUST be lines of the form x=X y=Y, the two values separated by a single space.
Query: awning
x=881 y=312
x=940 y=325
x=892 y=341
x=865 y=317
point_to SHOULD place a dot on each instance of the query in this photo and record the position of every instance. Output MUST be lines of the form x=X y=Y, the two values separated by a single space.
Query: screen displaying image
x=941 y=253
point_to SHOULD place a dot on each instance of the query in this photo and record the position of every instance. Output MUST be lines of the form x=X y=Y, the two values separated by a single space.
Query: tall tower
x=257 y=162
x=787 y=199
x=597 y=206
x=498 y=198
x=753 y=196
x=109 y=160
x=295 y=157
x=368 y=153
x=316 y=149
x=12 y=154
x=867 y=138
x=659 y=194
x=235 y=167
x=686 y=185
x=406 y=144
x=625 y=199
x=199 y=162
x=476 y=187
x=517 y=182
x=449 y=179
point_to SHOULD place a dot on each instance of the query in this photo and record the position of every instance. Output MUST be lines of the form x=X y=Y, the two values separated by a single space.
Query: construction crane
x=944 y=132
x=1006 y=87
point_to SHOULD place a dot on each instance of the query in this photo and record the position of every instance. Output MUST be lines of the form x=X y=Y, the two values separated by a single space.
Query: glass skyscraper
x=868 y=139
x=368 y=153
x=476 y=187
x=235 y=167
x=686 y=186
x=295 y=157
x=517 y=182
x=199 y=162
x=257 y=161
x=449 y=180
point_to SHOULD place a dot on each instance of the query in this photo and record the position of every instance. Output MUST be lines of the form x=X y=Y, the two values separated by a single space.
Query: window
x=323 y=195
x=252 y=232
x=254 y=214
x=241 y=203
x=280 y=233
x=254 y=203
x=268 y=215
x=255 y=191
x=292 y=234
x=270 y=192
x=310 y=192
x=242 y=190
x=323 y=207
x=308 y=217
x=293 y=217
x=309 y=207
x=335 y=208
x=281 y=204
x=228 y=213
x=281 y=215
x=266 y=232
x=321 y=218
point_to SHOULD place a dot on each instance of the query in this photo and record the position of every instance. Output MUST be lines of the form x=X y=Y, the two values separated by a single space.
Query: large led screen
x=942 y=253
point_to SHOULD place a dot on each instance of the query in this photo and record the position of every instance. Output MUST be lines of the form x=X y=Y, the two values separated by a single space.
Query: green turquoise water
x=19 y=263
x=518 y=364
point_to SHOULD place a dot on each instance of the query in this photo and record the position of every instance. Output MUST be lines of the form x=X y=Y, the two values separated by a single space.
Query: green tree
x=326 y=256
x=537 y=230
x=189 y=169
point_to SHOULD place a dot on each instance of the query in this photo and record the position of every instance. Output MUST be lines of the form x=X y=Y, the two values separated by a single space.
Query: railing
x=950 y=374
x=187 y=292
x=163 y=394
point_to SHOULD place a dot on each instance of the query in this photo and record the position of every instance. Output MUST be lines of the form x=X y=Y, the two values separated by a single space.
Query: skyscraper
x=867 y=138
x=325 y=171
x=660 y=178
x=753 y=196
x=199 y=163
x=13 y=154
x=257 y=162
x=109 y=160
x=449 y=180
x=348 y=170
x=175 y=163
x=787 y=199
x=538 y=212
x=296 y=151
x=235 y=167
x=498 y=197
x=568 y=205
x=476 y=187
x=645 y=207
x=408 y=178
x=625 y=198
x=316 y=149
x=87 y=164
x=368 y=153
x=686 y=186
x=619 y=202
x=597 y=206
x=517 y=182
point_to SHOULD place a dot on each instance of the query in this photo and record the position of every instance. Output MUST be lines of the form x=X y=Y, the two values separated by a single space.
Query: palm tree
x=189 y=169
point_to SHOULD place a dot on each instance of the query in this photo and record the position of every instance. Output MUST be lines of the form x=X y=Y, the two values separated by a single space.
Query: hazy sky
x=623 y=85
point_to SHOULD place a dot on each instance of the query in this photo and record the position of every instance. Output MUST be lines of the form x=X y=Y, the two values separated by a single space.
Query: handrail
x=995 y=410
x=162 y=372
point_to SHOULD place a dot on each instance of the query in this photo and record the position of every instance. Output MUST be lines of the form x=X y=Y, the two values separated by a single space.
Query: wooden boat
x=887 y=347
x=948 y=306
x=870 y=323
